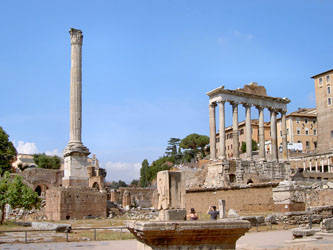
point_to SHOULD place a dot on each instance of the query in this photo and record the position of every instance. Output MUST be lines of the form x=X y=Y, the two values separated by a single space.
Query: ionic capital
x=76 y=36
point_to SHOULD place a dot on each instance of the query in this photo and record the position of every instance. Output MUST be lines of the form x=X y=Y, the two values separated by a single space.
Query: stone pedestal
x=188 y=235
x=75 y=170
x=172 y=214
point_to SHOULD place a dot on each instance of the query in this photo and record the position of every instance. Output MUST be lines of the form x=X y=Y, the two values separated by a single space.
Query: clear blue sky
x=147 y=66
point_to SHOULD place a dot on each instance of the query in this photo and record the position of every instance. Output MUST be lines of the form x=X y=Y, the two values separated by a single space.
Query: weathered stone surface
x=171 y=189
x=51 y=226
x=220 y=234
x=327 y=225
x=74 y=203
x=172 y=214
x=303 y=232
x=271 y=219
x=232 y=213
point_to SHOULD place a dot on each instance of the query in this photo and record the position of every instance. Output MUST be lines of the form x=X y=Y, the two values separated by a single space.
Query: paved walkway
x=255 y=240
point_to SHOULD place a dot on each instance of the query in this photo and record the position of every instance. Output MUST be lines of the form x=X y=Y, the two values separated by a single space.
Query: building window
x=306 y=120
x=329 y=101
x=306 y=131
x=280 y=132
x=297 y=120
x=298 y=141
x=307 y=143
x=242 y=131
x=315 y=144
x=298 y=131
x=327 y=78
x=315 y=132
x=328 y=89
x=320 y=82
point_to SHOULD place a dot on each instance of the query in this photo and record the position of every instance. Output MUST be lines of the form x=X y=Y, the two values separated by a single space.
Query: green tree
x=134 y=183
x=144 y=173
x=15 y=193
x=162 y=163
x=46 y=161
x=117 y=184
x=7 y=152
x=195 y=143
x=254 y=146
x=172 y=148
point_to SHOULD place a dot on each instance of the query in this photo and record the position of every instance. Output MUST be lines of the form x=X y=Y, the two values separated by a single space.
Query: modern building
x=324 y=102
x=301 y=130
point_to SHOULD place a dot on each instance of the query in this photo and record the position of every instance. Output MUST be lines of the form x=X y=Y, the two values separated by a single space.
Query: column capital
x=234 y=104
x=283 y=112
x=76 y=36
x=221 y=101
x=273 y=110
x=260 y=107
x=247 y=105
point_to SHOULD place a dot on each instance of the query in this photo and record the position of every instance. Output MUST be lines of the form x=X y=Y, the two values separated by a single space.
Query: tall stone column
x=284 y=136
x=222 y=129
x=212 y=131
x=75 y=153
x=235 y=139
x=248 y=131
x=274 y=151
x=262 y=153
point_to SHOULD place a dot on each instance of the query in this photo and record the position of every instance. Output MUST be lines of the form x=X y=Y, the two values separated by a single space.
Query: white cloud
x=125 y=171
x=235 y=34
x=26 y=147
x=54 y=152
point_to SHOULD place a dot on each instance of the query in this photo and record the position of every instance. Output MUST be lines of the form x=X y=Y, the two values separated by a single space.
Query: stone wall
x=74 y=203
x=251 y=199
x=141 y=197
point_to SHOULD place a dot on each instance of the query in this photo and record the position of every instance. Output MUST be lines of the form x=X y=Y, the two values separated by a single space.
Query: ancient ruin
x=223 y=170
x=173 y=232
x=75 y=199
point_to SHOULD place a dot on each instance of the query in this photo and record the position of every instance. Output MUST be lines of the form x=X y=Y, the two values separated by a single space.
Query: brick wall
x=74 y=203
x=251 y=200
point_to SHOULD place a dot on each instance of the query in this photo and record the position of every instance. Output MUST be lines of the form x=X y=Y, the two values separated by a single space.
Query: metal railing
x=121 y=230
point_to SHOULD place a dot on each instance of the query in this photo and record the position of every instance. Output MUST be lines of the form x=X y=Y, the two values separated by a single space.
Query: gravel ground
x=254 y=240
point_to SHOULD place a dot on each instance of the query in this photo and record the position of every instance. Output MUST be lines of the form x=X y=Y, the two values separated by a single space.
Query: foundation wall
x=74 y=203
x=252 y=200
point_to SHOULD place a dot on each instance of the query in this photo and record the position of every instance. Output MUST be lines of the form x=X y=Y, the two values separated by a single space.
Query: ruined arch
x=249 y=181
x=96 y=186
x=38 y=190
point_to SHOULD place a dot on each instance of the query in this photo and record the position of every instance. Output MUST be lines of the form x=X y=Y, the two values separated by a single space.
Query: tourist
x=193 y=215
x=213 y=213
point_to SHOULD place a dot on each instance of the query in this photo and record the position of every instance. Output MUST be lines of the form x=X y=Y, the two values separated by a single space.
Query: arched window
x=38 y=190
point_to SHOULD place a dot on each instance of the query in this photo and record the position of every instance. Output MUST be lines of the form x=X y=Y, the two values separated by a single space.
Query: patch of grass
x=9 y=225
x=100 y=235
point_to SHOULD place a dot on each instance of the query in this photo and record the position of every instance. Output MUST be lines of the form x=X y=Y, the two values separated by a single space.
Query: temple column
x=274 y=149
x=212 y=131
x=284 y=136
x=235 y=139
x=222 y=129
x=328 y=165
x=322 y=166
x=316 y=165
x=262 y=153
x=248 y=131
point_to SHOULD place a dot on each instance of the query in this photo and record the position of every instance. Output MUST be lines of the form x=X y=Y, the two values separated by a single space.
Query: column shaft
x=222 y=129
x=212 y=131
x=248 y=132
x=76 y=86
x=262 y=154
x=235 y=140
x=284 y=136
x=274 y=148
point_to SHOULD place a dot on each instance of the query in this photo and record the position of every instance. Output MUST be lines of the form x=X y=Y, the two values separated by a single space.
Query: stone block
x=171 y=189
x=232 y=214
x=303 y=232
x=194 y=235
x=222 y=208
x=51 y=226
x=327 y=225
x=172 y=214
